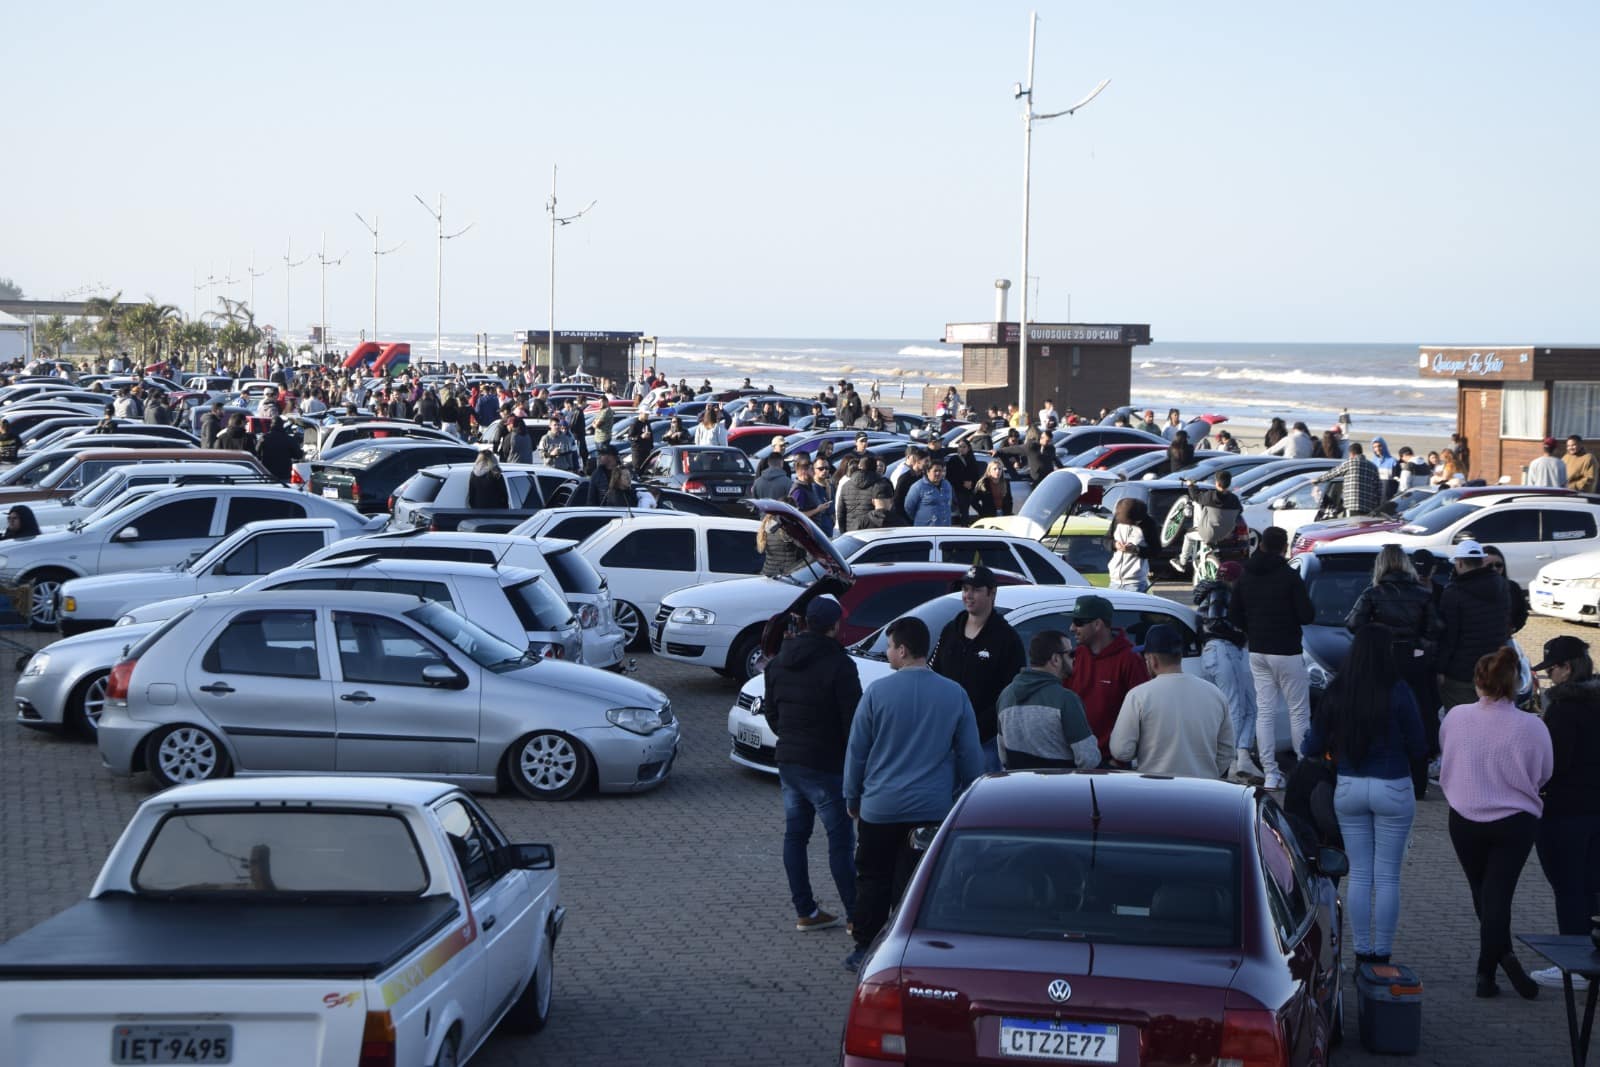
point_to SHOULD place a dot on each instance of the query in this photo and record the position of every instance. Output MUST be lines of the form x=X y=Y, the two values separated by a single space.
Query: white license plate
x=1041 y=1039
x=1543 y=594
x=749 y=735
x=729 y=489
x=172 y=1044
x=331 y=494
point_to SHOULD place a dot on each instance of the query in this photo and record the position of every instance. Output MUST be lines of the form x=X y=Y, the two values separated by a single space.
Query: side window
x=1039 y=568
x=1084 y=553
x=732 y=552
x=243 y=509
x=1284 y=870
x=896 y=552
x=176 y=521
x=273 y=643
x=653 y=550
x=405 y=587
x=1137 y=623
x=1059 y=621
x=991 y=554
x=473 y=844
x=275 y=551
x=555 y=491
x=520 y=489
x=578 y=528
x=379 y=650
x=1497 y=527
x=1563 y=525
x=885 y=603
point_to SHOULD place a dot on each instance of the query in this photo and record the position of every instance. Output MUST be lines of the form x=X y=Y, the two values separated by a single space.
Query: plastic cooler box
x=1389 y=1008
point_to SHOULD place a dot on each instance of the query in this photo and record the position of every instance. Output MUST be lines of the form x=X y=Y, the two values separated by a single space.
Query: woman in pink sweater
x=1495 y=759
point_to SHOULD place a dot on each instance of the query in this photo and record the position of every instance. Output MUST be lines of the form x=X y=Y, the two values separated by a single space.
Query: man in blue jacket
x=913 y=746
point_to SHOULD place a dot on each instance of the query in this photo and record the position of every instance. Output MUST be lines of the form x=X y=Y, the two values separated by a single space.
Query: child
x=1132 y=537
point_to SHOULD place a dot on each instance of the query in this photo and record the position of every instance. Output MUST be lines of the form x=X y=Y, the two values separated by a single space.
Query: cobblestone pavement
x=679 y=946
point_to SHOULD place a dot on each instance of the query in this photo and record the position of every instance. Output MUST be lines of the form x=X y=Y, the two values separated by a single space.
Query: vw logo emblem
x=1060 y=991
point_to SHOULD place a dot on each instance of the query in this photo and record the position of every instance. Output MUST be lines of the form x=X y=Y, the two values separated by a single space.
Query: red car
x=751 y=439
x=1104 y=917
x=1312 y=534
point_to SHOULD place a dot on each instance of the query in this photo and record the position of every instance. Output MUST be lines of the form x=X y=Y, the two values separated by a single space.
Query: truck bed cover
x=123 y=936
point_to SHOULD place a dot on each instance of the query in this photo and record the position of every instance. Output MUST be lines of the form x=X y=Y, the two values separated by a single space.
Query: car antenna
x=1094 y=822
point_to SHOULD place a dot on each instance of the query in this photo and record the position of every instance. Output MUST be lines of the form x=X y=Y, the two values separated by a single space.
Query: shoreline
x=1250 y=434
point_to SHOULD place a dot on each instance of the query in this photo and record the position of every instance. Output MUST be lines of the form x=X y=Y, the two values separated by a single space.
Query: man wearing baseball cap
x=1175 y=723
x=1474 y=620
x=1104 y=666
x=980 y=651
x=1548 y=469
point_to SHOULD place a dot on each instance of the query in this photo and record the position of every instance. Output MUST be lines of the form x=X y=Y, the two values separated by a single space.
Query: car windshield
x=482 y=647
x=848 y=545
x=1282 y=487
x=116 y=504
x=1106 y=888
x=575 y=575
x=935 y=614
x=1338 y=581
x=98 y=491
x=1429 y=504
x=282 y=852
x=1438 y=519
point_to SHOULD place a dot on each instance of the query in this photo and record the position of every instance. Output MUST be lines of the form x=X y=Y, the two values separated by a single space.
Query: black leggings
x=884 y=863
x=1492 y=855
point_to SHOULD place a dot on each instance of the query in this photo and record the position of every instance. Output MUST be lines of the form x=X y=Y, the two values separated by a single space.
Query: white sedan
x=1568 y=589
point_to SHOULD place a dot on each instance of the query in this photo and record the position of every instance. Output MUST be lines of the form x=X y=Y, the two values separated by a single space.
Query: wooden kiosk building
x=1081 y=366
x=1509 y=398
x=604 y=354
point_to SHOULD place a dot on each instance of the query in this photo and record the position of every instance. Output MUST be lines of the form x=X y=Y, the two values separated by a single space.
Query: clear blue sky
x=1256 y=171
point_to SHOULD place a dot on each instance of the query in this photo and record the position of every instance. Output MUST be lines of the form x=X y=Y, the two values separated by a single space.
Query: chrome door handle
x=358 y=697
x=219 y=688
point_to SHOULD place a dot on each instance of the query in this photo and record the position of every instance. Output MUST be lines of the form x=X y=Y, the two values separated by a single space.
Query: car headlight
x=1588 y=583
x=37 y=664
x=636 y=720
x=588 y=616
x=69 y=603
x=1319 y=675
x=2 y=563
x=693 y=616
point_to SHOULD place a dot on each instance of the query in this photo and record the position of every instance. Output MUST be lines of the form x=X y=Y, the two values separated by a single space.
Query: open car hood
x=1050 y=499
x=805 y=533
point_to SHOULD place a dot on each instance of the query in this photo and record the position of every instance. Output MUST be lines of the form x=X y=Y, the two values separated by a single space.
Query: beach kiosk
x=1509 y=398
x=1082 y=366
x=604 y=354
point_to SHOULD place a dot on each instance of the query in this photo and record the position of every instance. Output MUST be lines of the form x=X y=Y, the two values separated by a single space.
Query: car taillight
x=876 y=1027
x=588 y=616
x=550 y=650
x=1251 y=1039
x=355 y=490
x=694 y=485
x=295 y=477
x=391 y=503
x=117 y=683
x=377 y=1040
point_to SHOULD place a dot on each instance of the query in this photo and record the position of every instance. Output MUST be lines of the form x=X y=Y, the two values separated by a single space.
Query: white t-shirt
x=1175 y=724
x=1128 y=570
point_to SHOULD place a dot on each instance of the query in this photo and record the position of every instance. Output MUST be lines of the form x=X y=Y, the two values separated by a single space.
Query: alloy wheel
x=548 y=762
x=188 y=754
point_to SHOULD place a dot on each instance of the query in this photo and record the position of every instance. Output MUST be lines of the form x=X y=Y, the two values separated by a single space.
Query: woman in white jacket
x=709 y=430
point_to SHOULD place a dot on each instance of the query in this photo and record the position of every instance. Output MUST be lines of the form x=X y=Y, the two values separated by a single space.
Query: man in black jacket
x=1270 y=604
x=1474 y=620
x=811 y=697
x=982 y=653
x=855 y=496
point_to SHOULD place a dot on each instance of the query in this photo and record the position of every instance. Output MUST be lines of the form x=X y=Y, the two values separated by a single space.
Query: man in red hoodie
x=1104 y=666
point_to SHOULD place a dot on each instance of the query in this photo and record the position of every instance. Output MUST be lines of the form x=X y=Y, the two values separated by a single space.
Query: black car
x=712 y=472
x=369 y=475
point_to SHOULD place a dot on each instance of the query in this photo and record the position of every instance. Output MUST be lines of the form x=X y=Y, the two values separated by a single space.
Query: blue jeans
x=1228 y=668
x=808 y=793
x=991 y=756
x=1375 y=817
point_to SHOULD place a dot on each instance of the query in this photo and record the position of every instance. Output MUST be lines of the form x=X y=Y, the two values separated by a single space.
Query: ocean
x=1250 y=382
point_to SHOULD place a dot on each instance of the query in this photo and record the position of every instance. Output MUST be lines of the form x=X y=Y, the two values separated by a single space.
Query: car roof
x=445 y=567
x=906 y=533
x=628 y=520
x=1025 y=596
x=304 y=789
x=1126 y=803
x=310 y=598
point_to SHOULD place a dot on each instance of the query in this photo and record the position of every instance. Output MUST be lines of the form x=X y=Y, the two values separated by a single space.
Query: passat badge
x=1060 y=991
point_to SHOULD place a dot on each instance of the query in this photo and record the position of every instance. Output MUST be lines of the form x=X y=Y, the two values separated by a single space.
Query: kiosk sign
x=1492 y=364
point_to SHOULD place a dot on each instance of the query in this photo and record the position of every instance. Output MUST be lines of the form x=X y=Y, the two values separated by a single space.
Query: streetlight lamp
x=556 y=220
x=438 y=273
x=289 y=264
x=199 y=287
x=322 y=258
x=376 y=252
x=1025 y=94
x=254 y=274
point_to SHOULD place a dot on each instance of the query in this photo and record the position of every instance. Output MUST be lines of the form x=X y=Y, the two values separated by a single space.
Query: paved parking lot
x=679 y=946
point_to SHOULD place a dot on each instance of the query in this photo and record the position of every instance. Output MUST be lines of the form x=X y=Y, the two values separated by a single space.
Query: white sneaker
x=1433 y=769
x=1550 y=978
x=1275 y=780
x=1245 y=767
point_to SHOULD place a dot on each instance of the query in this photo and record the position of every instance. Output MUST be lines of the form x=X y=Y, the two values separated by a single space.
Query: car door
x=1569 y=531
x=502 y=898
x=730 y=554
x=645 y=564
x=1515 y=531
x=391 y=721
x=1300 y=938
x=258 y=555
x=160 y=534
x=261 y=678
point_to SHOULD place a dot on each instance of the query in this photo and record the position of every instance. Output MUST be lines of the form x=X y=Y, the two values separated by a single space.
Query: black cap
x=1163 y=640
x=1559 y=650
x=606 y=450
x=980 y=576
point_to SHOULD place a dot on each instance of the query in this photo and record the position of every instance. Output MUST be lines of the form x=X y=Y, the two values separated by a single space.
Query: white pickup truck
x=337 y=922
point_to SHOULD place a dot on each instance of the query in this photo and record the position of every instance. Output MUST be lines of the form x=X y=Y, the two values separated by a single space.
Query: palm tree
x=150 y=324
x=108 y=312
x=56 y=332
x=194 y=337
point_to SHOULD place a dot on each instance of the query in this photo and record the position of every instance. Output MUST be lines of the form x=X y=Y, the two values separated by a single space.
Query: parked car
x=1411 y=506
x=119 y=480
x=176 y=436
x=163 y=529
x=1108 y=918
x=528 y=487
x=377 y=684
x=1028 y=608
x=292 y=921
x=1568 y=588
x=328 y=442
x=63 y=471
x=368 y=476
x=707 y=471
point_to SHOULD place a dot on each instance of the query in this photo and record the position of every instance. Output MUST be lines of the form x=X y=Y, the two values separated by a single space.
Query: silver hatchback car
x=379 y=683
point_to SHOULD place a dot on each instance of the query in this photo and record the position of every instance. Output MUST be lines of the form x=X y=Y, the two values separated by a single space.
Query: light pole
x=199 y=287
x=376 y=252
x=289 y=265
x=438 y=273
x=254 y=274
x=322 y=258
x=555 y=220
x=1025 y=94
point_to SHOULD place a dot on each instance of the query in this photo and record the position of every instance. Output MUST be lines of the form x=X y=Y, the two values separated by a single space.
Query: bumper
x=626 y=762
x=703 y=646
x=1565 y=602
x=752 y=742
x=120 y=739
x=42 y=701
x=603 y=648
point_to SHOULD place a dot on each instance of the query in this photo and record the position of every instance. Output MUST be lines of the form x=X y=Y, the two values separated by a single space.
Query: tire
x=46 y=587
x=744 y=656
x=179 y=754
x=1177 y=518
x=85 y=703
x=450 y=1051
x=634 y=626
x=549 y=765
x=531 y=1011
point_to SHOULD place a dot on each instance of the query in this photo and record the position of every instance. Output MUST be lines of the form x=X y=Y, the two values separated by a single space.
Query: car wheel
x=46 y=584
x=87 y=701
x=450 y=1051
x=549 y=766
x=531 y=1011
x=180 y=754
x=636 y=637
x=744 y=662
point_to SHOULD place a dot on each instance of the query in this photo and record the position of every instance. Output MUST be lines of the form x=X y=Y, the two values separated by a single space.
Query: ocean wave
x=1300 y=377
x=925 y=350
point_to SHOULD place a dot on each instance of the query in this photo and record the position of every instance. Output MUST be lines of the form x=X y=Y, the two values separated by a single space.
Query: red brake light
x=377 y=1041
x=1251 y=1039
x=355 y=490
x=117 y=683
x=294 y=476
x=694 y=485
x=391 y=502
x=876 y=1027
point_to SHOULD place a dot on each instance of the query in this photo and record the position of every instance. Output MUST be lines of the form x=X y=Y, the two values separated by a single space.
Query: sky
x=1366 y=171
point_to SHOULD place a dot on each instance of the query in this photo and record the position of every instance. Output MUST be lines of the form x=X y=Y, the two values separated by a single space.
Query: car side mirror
x=1279 y=503
x=1463 y=535
x=532 y=857
x=443 y=676
x=127 y=533
x=1333 y=863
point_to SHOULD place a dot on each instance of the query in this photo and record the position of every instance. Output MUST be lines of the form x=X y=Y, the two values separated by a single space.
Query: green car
x=1081 y=541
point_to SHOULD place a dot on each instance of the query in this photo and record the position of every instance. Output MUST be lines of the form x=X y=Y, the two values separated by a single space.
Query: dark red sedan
x=1106 y=918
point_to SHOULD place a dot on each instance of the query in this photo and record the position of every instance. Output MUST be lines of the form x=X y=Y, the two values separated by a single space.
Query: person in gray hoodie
x=1042 y=722
x=773 y=482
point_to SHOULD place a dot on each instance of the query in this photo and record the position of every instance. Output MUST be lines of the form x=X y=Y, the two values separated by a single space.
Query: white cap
x=1468 y=549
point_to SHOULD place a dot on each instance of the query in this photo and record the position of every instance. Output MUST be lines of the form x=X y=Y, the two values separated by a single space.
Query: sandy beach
x=1251 y=433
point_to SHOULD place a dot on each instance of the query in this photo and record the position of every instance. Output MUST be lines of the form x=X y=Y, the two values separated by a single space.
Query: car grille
x=761 y=754
x=658 y=626
x=675 y=649
x=747 y=701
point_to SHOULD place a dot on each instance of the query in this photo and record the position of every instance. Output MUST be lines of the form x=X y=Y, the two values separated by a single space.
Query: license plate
x=172 y=1044
x=729 y=489
x=749 y=735
x=331 y=494
x=1543 y=594
x=1041 y=1039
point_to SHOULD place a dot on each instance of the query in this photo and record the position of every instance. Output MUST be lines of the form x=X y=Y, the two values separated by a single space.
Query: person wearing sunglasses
x=1042 y=722
x=1495 y=560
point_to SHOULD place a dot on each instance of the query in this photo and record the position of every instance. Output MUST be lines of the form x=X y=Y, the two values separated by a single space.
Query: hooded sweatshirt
x=1270 y=604
x=812 y=689
x=1101 y=680
x=1572 y=714
x=1043 y=718
x=1474 y=620
x=855 y=500
x=1382 y=459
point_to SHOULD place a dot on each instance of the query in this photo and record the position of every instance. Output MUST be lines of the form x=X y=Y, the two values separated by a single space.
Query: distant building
x=1081 y=366
x=612 y=354
x=16 y=338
